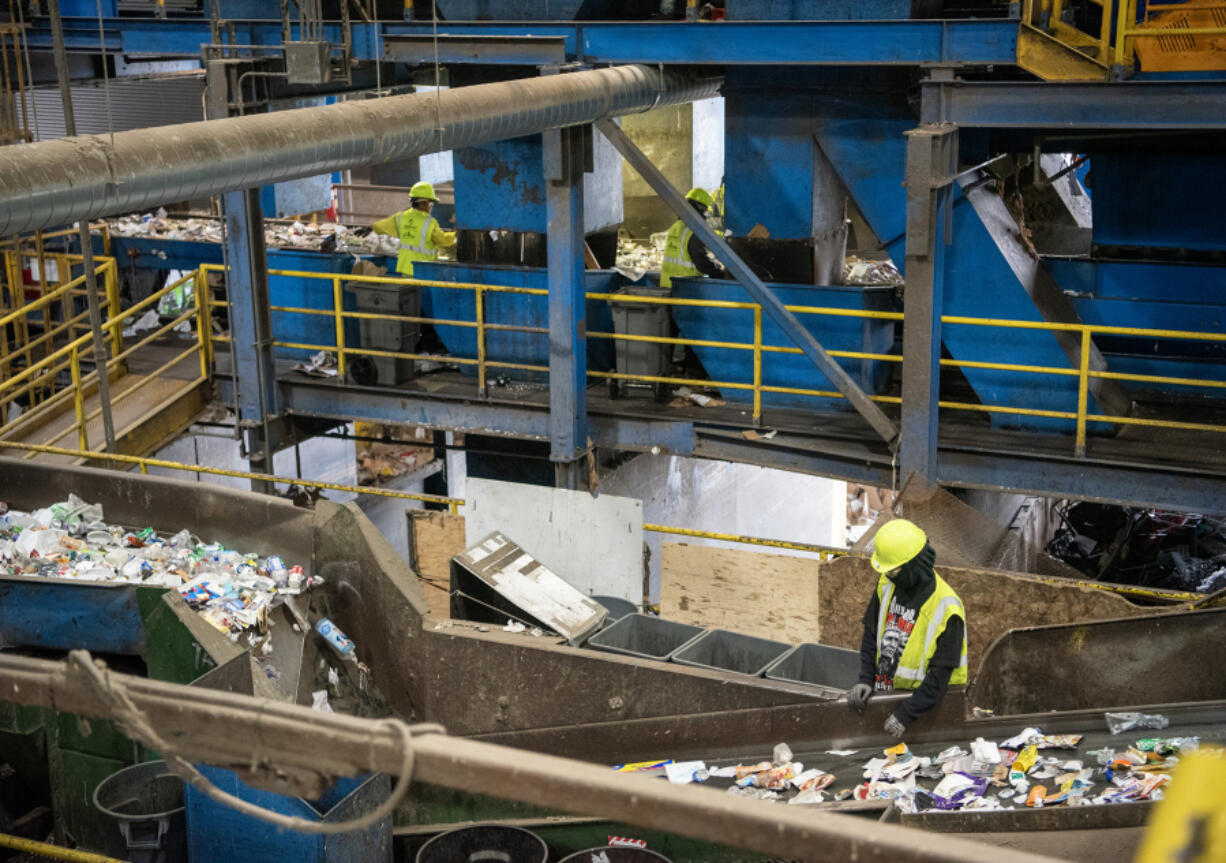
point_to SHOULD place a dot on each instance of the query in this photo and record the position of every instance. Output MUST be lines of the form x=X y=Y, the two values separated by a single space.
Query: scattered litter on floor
x=685 y=396
x=232 y=590
x=321 y=365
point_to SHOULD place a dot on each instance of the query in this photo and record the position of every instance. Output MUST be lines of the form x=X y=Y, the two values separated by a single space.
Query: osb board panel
x=768 y=595
x=995 y=602
x=435 y=538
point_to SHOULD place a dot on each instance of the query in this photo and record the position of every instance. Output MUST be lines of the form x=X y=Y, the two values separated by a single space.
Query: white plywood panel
x=595 y=543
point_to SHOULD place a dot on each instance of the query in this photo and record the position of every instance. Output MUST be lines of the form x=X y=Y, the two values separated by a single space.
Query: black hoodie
x=913 y=585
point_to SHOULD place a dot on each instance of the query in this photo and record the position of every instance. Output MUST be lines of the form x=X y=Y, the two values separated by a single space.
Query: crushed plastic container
x=645 y=636
x=144 y=803
x=817 y=665
x=722 y=650
x=491 y=842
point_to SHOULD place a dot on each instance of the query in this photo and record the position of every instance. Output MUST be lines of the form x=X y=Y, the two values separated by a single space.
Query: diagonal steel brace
x=760 y=293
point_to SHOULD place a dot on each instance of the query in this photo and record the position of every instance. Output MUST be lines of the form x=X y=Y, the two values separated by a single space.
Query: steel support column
x=247 y=291
x=565 y=154
x=758 y=291
x=932 y=160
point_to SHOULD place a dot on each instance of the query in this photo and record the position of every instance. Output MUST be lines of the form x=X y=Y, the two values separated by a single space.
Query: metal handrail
x=1084 y=374
x=69 y=357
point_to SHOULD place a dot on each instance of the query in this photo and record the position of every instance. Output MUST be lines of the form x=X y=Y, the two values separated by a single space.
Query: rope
x=131 y=719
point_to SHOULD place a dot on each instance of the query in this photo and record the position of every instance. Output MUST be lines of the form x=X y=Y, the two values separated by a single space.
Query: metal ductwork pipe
x=58 y=182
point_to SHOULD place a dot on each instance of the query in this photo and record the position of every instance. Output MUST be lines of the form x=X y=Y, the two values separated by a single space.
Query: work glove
x=894 y=728
x=859 y=696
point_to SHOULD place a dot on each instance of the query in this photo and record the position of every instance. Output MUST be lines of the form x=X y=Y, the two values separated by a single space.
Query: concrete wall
x=729 y=498
x=686 y=143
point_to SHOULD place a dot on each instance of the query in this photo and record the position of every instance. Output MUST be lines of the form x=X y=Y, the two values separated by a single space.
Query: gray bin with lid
x=645 y=636
x=722 y=650
x=395 y=336
x=651 y=359
x=817 y=665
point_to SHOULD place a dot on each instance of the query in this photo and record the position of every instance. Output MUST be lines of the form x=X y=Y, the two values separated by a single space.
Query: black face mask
x=916 y=572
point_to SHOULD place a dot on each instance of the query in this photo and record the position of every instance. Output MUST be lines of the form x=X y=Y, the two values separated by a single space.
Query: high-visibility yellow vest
x=921 y=644
x=416 y=231
x=677 y=262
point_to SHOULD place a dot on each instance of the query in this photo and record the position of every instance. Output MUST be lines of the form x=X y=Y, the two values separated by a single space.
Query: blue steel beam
x=563 y=164
x=1127 y=485
x=524 y=421
x=907 y=43
x=1067 y=106
x=932 y=159
x=182 y=37
x=997 y=463
x=754 y=286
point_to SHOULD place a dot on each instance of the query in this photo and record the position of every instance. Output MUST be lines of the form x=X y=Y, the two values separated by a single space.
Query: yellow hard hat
x=896 y=543
x=423 y=190
x=700 y=195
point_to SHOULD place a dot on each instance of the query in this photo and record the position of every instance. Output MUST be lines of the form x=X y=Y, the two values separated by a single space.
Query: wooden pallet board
x=434 y=538
x=768 y=595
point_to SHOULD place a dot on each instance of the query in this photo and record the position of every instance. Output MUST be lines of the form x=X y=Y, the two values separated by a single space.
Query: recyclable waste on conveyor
x=232 y=590
x=1030 y=769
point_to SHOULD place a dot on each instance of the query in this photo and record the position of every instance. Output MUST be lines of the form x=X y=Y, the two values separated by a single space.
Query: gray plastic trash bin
x=645 y=636
x=731 y=651
x=484 y=842
x=381 y=335
x=642 y=358
x=145 y=805
x=817 y=664
x=617 y=607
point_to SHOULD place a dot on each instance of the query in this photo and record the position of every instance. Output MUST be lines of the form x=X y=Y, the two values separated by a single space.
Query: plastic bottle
x=336 y=639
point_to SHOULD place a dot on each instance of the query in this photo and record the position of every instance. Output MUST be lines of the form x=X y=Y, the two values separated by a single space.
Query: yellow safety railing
x=58 y=313
x=72 y=355
x=1121 y=23
x=1080 y=417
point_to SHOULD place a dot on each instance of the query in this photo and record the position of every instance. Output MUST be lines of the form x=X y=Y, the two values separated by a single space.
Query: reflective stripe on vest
x=934 y=615
x=677 y=262
x=415 y=243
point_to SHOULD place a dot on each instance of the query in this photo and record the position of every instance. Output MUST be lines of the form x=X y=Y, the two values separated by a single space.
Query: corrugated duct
x=58 y=182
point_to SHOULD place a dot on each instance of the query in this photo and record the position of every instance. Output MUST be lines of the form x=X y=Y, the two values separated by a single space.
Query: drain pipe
x=80 y=178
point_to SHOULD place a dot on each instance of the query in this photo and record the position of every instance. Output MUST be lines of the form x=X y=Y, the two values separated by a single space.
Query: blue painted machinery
x=822 y=104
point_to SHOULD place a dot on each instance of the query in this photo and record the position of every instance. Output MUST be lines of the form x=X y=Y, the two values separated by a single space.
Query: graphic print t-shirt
x=899 y=622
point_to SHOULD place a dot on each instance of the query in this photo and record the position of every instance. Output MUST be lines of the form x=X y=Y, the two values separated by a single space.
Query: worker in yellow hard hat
x=914 y=628
x=419 y=233
x=684 y=253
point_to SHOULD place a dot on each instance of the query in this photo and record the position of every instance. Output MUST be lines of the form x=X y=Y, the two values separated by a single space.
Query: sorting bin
x=722 y=650
x=649 y=359
x=645 y=636
x=617 y=607
x=144 y=803
x=384 y=335
x=218 y=832
x=818 y=665
x=489 y=842
x=615 y=854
